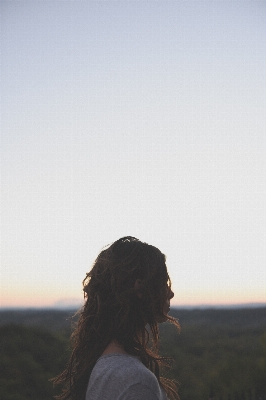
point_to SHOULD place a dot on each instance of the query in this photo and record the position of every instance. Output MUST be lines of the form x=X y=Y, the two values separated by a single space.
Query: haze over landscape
x=141 y=118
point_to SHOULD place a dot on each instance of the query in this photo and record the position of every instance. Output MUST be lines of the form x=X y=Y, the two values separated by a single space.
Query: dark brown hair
x=113 y=311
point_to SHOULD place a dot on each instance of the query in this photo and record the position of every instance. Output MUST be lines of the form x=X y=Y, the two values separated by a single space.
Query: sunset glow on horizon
x=34 y=297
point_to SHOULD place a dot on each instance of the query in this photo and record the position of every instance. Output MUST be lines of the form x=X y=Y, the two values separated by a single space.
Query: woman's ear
x=138 y=286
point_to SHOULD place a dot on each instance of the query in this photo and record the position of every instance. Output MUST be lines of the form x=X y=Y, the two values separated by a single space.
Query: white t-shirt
x=123 y=377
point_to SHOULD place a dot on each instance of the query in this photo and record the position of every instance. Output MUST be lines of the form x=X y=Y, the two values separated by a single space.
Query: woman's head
x=127 y=289
x=129 y=279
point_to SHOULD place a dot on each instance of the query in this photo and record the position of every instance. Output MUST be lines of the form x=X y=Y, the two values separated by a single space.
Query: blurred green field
x=219 y=353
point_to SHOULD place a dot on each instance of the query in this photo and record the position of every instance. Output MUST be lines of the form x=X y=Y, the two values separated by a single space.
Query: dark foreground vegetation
x=220 y=353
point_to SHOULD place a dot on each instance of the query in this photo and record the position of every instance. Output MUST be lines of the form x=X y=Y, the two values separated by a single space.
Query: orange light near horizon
x=212 y=297
x=52 y=297
x=37 y=297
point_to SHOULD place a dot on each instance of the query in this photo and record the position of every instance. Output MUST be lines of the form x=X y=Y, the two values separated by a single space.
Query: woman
x=127 y=291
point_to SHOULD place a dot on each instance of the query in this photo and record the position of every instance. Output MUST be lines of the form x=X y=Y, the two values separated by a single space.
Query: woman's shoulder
x=114 y=373
x=122 y=366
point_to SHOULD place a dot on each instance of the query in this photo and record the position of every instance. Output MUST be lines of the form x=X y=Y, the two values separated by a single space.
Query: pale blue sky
x=142 y=118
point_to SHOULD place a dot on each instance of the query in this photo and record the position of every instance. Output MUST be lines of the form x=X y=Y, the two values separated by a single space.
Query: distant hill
x=222 y=317
x=50 y=319
x=61 y=320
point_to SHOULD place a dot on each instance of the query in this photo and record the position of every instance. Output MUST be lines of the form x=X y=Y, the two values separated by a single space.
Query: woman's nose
x=171 y=294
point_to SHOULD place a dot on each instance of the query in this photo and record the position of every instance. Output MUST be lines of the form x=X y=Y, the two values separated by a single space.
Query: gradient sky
x=141 y=118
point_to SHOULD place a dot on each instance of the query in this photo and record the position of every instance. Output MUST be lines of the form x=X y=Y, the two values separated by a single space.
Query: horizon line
x=185 y=306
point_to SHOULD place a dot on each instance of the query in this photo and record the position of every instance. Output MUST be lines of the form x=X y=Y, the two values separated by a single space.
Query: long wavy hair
x=113 y=311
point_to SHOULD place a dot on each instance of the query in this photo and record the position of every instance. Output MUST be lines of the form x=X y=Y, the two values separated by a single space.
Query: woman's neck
x=114 y=347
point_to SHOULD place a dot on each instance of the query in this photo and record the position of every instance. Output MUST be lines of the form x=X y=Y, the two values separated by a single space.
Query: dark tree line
x=219 y=354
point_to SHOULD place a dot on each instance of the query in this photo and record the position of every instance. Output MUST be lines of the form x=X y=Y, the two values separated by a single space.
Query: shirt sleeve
x=139 y=391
